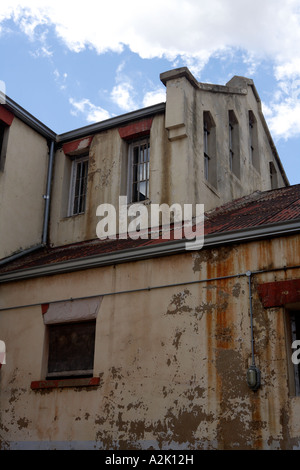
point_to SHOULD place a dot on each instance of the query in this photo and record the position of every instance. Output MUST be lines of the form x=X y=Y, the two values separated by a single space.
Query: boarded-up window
x=71 y=349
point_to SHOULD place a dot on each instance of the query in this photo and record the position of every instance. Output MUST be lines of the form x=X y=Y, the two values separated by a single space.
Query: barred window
x=78 y=188
x=139 y=161
x=71 y=349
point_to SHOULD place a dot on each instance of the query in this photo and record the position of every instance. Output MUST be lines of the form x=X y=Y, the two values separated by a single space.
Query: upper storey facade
x=207 y=144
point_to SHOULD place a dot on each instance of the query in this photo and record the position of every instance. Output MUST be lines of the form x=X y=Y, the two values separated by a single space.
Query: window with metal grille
x=78 y=185
x=139 y=161
x=71 y=349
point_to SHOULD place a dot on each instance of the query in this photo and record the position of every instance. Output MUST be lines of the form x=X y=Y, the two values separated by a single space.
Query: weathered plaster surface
x=172 y=361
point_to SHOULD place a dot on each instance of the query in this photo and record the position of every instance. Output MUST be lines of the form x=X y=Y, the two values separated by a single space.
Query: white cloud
x=92 y=112
x=42 y=52
x=154 y=97
x=191 y=29
x=60 y=79
x=122 y=94
x=283 y=113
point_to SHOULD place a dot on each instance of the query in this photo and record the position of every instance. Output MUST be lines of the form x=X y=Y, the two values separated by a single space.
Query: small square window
x=71 y=349
x=78 y=189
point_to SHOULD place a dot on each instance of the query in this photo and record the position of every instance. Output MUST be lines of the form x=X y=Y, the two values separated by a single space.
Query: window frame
x=206 y=150
x=253 y=140
x=68 y=372
x=273 y=176
x=133 y=195
x=209 y=149
x=82 y=160
x=292 y=334
x=233 y=143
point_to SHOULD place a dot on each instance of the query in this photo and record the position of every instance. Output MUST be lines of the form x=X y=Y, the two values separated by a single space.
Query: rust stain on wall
x=212 y=257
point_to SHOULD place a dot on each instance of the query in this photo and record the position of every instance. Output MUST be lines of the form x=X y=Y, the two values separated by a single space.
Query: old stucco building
x=140 y=344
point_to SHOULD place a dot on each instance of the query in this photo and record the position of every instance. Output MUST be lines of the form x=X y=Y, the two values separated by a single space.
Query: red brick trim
x=6 y=116
x=275 y=294
x=63 y=383
x=44 y=308
x=77 y=145
x=136 y=129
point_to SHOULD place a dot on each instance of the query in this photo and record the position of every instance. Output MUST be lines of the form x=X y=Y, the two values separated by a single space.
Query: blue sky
x=71 y=64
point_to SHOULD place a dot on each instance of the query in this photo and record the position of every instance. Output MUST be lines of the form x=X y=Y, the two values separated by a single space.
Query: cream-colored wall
x=107 y=180
x=22 y=186
x=176 y=160
x=187 y=147
x=172 y=360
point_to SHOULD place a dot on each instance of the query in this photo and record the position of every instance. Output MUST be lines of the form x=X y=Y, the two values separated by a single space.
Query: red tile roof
x=257 y=209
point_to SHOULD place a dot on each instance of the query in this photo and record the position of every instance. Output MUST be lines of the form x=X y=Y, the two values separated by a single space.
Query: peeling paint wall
x=172 y=361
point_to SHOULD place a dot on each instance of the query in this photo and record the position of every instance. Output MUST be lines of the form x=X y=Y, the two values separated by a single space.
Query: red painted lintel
x=136 y=129
x=275 y=294
x=6 y=116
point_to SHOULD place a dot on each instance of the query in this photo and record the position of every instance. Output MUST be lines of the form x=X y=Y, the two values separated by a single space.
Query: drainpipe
x=253 y=373
x=48 y=194
x=46 y=214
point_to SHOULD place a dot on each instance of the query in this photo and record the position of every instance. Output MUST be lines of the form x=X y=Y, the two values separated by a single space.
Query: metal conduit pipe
x=47 y=196
x=253 y=373
x=46 y=214
x=161 y=286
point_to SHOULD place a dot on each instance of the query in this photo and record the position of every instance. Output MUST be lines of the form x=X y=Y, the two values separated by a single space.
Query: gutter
x=157 y=250
x=110 y=123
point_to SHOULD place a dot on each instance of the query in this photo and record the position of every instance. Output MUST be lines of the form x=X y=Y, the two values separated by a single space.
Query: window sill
x=71 y=216
x=211 y=187
x=64 y=383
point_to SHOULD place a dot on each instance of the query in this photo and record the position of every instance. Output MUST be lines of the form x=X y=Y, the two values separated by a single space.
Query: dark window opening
x=234 y=144
x=71 y=350
x=79 y=185
x=273 y=176
x=254 y=154
x=140 y=161
x=209 y=147
x=3 y=143
x=294 y=317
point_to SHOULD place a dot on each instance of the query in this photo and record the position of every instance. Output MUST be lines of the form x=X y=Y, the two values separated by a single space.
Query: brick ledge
x=63 y=383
